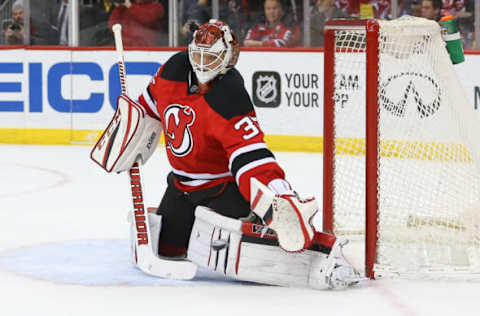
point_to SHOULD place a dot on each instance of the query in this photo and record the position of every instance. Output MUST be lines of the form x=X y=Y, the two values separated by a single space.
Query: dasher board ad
x=76 y=90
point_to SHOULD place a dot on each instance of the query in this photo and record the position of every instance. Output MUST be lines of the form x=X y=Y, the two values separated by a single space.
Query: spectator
x=323 y=11
x=466 y=24
x=14 y=28
x=350 y=7
x=463 y=11
x=141 y=21
x=431 y=9
x=94 y=30
x=188 y=6
x=200 y=11
x=382 y=8
x=413 y=7
x=272 y=31
x=41 y=33
x=231 y=12
x=456 y=8
x=197 y=13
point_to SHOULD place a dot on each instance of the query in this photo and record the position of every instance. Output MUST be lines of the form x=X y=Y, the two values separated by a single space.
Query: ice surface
x=63 y=251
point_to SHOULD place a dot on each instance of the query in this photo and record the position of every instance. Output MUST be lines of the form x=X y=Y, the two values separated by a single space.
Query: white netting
x=429 y=152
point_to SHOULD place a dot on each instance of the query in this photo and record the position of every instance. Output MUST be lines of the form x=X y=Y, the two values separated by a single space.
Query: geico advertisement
x=77 y=89
x=68 y=89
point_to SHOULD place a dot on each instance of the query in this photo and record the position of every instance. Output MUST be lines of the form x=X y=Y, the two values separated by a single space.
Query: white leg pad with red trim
x=287 y=214
x=236 y=249
x=214 y=241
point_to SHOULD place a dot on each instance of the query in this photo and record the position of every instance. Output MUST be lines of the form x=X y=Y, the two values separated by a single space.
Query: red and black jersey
x=210 y=138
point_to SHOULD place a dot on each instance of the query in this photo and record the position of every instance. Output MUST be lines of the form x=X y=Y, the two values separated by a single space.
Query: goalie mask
x=213 y=50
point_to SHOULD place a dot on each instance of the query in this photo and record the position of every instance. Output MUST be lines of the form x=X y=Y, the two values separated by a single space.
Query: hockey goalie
x=227 y=206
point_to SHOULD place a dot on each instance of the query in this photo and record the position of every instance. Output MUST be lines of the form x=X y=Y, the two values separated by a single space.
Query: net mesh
x=429 y=158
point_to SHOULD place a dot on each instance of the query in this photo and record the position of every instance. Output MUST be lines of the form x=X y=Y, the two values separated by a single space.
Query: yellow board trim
x=344 y=146
x=294 y=143
x=35 y=136
x=39 y=136
x=407 y=150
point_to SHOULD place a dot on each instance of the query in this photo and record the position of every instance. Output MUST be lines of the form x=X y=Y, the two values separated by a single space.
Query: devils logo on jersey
x=178 y=137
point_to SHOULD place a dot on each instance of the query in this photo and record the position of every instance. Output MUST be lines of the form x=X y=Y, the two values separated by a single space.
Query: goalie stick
x=147 y=260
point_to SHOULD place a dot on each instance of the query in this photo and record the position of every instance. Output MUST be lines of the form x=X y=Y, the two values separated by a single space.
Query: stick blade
x=174 y=270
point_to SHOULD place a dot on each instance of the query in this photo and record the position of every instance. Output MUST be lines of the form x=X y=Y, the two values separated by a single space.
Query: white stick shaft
x=147 y=261
x=117 y=35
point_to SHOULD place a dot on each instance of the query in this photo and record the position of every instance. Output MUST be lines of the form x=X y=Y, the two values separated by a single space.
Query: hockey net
x=401 y=150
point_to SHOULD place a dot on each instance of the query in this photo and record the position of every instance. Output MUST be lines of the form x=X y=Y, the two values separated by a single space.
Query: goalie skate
x=335 y=271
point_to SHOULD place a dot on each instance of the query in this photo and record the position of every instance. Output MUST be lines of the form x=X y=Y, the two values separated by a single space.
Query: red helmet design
x=213 y=51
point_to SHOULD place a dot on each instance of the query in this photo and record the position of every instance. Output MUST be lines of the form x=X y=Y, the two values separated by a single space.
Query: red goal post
x=372 y=28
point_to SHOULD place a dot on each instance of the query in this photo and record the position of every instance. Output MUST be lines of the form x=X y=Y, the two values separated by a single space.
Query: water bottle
x=452 y=37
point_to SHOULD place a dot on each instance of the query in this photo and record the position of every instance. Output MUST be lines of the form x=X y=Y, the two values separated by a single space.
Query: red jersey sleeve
x=148 y=97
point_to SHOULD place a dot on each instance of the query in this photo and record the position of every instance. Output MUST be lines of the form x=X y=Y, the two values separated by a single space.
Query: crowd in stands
x=41 y=31
x=256 y=23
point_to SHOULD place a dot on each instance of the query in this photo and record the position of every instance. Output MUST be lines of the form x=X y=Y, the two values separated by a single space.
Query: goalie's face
x=207 y=64
x=211 y=52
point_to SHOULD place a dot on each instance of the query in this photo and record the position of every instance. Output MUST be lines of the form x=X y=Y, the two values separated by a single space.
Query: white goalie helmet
x=213 y=51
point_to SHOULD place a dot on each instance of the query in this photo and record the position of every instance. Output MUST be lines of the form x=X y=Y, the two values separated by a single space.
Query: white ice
x=64 y=251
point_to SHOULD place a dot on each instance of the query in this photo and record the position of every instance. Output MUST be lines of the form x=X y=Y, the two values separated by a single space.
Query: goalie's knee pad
x=251 y=252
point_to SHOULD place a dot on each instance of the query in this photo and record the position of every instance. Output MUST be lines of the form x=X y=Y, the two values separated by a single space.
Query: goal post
x=371 y=64
x=401 y=149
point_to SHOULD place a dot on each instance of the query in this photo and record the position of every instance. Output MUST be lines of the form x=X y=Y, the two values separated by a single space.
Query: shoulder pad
x=177 y=67
x=228 y=96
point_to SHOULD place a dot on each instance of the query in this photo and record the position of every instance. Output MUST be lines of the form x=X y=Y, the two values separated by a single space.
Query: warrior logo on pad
x=178 y=137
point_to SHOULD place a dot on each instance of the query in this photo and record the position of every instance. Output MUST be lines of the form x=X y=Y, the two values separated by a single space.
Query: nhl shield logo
x=266 y=89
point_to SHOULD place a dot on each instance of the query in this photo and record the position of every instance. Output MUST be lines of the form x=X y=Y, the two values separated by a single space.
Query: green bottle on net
x=452 y=37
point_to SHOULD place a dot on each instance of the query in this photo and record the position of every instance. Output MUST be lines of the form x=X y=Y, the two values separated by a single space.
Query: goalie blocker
x=131 y=136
